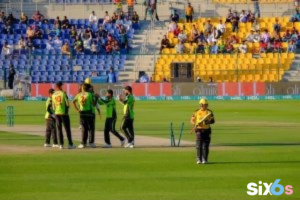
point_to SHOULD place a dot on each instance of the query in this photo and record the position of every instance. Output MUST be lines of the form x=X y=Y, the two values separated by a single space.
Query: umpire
x=85 y=101
x=111 y=118
x=50 y=122
x=202 y=119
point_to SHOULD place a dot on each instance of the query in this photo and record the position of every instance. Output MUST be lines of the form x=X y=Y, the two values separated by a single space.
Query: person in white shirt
x=243 y=47
x=179 y=48
x=243 y=17
x=257 y=36
x=210 y=38
x=93 y=18
x=57 y=42
x=106 y=18
x=172 y=27
x=7 y=50
x=250 y=37
x=21 y=44
x=94 y=48
x=144 y=78
x=87 y=41
x=182 y=37
x=221 y=29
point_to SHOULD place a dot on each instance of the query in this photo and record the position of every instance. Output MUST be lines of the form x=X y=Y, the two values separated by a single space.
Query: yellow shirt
x=189 y=10
x=199 y=115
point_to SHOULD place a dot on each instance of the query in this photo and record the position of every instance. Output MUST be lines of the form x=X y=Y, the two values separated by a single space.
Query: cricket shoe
x=131 y=145
x=61 y=146
x=72 y=146
x=123 y=143
x=107 y=146
x=128 y=145
x=55 y=145
x=92 y=145
x=47 y=145
x=81 y=146
x=199 y=162
x=204 y=162
x=80 y=127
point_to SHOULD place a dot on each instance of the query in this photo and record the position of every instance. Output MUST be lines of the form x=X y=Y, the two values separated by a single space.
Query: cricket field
x=252 y=141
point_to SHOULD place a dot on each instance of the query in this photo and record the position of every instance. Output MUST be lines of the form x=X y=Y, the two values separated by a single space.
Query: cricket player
x=202 y=119
x=127 y=123
x=60 y=105
x=50 y=122
x=111 y=118
x=85 y=101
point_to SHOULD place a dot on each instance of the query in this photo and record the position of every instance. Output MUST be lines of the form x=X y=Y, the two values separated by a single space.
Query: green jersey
x=128 y=106
x=110 y=107
x=60 y=103
x=85 y=101
x=49 y=108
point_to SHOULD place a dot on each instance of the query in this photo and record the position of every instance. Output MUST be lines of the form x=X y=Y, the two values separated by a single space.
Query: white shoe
x=198 y=162
x=92 y=145
x=131 y=145
x=107 y=146
x=204 y=162
x=47 y=145
x=80 y=127
x=123 y=143
x=72 y=147
x=61 y=146
x=55 y=145
x=81 y=146
x=128 y=145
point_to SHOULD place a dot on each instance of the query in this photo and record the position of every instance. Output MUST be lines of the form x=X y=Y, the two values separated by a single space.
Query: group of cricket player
x=86 y=102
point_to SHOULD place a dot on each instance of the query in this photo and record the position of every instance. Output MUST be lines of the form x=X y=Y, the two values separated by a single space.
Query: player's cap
x=203 y=102
x=88 y=81
x=51 y=91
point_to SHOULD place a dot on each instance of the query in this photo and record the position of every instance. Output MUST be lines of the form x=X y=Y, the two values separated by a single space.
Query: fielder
x=50 y=122
x=202 y=119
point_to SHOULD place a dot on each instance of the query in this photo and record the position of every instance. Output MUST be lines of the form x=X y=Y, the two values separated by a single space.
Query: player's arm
x=102 y=101
x=98 y=109
x=193 y=119
x=211 y=119
x=74 y=103
x=53 y=103
x=49 y=110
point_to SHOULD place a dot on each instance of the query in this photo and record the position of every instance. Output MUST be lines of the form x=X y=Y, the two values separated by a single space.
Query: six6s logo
x=272 y=188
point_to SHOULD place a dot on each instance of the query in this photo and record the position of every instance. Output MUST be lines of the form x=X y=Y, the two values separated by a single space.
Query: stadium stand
x=39 y=54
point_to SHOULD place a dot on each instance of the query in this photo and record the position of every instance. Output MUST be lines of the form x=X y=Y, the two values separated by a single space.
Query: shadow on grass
x=253 y=162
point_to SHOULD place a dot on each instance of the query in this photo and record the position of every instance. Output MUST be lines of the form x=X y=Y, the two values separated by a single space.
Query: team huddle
x=86 y=103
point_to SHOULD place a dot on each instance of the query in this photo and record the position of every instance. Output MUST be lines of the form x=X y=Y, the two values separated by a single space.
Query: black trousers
x=127 y=129
x=91 y=132
x=51 y=131
x=202 y=143
x=60 y=121
x=110 y=126
x=86 y=121
x=189 y=18
x=10 y=83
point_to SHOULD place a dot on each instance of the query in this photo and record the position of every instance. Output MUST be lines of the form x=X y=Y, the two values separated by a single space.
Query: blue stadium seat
x=80 y=22
x=51 y=21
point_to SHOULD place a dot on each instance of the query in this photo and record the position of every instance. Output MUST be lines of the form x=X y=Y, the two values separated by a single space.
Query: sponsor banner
x=286 y=88
x=194 y=89
x=41 y=89
x=241 y=89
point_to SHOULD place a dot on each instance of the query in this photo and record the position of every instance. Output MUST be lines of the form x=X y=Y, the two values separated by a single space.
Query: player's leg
x=113 y=130
x=59 y=122
x=84 y=130
x=91 y=129
x=131 y=130
x=124 y=127
x=67 y=126
x=206 y=144
x=198 y=147
x=54 y=133
x=48 y=133
x=107 y=128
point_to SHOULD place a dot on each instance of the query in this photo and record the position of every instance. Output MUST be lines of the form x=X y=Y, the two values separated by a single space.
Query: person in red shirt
x=277 y=46
x=262 y=47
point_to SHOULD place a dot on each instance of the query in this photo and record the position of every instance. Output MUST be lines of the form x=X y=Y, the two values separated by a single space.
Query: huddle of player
x=86 y=103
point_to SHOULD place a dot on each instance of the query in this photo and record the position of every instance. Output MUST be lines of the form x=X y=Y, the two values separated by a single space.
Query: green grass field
x=252 y=141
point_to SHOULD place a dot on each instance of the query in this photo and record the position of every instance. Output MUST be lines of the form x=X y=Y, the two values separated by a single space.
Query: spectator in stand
x=189 y=11
x=208 y=26
x=38 y=33
x=57 y=23
x=229 y=48
x=80 y=32
x=37 y=17
x=94 y=74
x=250 y=37
x=214 y=48
x=210 y=38
x=295 y=17
x=262 y=46
x=294 y=36
x=291 y=47
x=111 y=76
x=135 y=18
x=109 y=48
x=102 y=33
x=165 y=43
x=275 y=36
x=256 y=8
x=49 y=43
x=243 y=47
x=232 y=39
x=11 y=76
x=257 y=37
x=93 y=19
x=2 y=17
x=88 y=32
x=207 y=48
x=287 y=36
x=144 y=78
x=30 y=32
x=221 y=28
x=119 y=22
x=202 y=37
x=78 y=45
x=172 y=26
x=222 y=47
x=106 y=18
x=200 y=47
x=65 y=24
x=294 y=30
x=29 y=45
x=235 y=22
x=87 y=42
x=180 y=48
x=21 y=44
x=65 y=50
x=194 y=34
x=182 y=37
x=277 y=46
x=229 y=16
x=265 y=36
x=23 y=18
x=9 y=24
x=114 y=18
x=7 y=50
x=243 y=17
x=277 y=26
x=115 y=48
x=73 y=32
x=57 y=43
x=94 y=48
x=175 y=16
